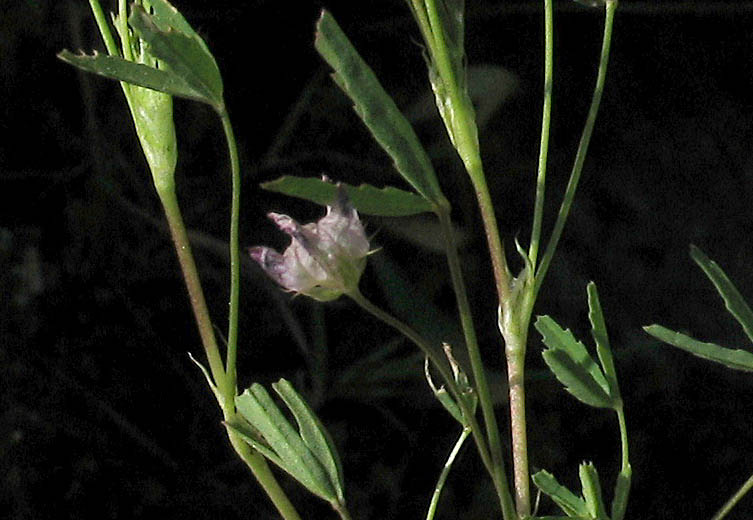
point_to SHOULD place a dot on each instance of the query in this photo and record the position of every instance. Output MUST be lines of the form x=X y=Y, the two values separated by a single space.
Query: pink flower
x=325 y=259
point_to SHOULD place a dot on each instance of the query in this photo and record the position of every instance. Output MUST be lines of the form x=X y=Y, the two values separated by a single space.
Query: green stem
x=465 y=139
x=438 y=363
x=464 y=136
x=445 y=472
x=235 y=261
x=622 y=486
x=732 y=502
x=193 y=284
x=253 y=460
x=538 y=211
x=125 y=42
x=580 y=155
x=110 y=43
x=474 y=354
x=224 y=381
x=623 y=437
x=515 y=334
x=263 y=474
x=342 y=511
x=104 y=28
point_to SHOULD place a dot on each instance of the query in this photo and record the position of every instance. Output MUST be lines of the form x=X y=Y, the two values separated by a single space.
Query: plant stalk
x=546 y=117
x=235 y=261
x=193 y=283
x=732 y=502
x=623 y=437
x=474 y=354
x=436 y=361
x=252 y=459
x=465 y=139
x=445 y=472
x=515 y=334
x=580 y=155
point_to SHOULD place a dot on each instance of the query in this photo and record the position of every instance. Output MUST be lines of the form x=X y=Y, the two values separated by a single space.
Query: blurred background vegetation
x=102 y=415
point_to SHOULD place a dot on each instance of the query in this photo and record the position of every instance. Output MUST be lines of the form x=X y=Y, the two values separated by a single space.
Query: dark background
x=102 y=415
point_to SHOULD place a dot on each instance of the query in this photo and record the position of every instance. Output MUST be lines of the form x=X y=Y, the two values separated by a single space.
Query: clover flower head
x=325 y=259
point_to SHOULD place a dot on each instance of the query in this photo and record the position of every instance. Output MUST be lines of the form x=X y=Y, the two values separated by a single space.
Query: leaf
x=166 y=16
x=621 y=492
x=377 y=109
x=568 y=359
x=184 y=53
x=569 y=502
x=589 y=480
x=367 y=199
x=115 y=67
x=290 y=451
x=314 y=435
x=601 y=338
x=737 y=359
x=733 y=300
x=251 y=437
x=466 y=392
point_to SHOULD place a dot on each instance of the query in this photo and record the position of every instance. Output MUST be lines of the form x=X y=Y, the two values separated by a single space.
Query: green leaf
x=184 y=53
x=568 y=359
x=166 y=17
x=733 y=300
x=621 y=492
x=601 y=338
x=253 y=439
x=314 y=435
x=377 y=109
x=466 y=392
x=589 y=480
x=290 y=451
x=367 y=199
x=737 y=359
x=115 y=67
x=571 y=504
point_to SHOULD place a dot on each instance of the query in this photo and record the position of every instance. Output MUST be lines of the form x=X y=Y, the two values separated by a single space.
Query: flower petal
x=325 y=258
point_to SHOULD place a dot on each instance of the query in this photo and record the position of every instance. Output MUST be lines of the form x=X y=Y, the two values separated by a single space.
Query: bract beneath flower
x=325 y=259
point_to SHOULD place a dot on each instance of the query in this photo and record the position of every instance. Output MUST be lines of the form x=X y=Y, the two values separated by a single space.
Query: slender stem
x=474 y=354
x=419 y=10
x=623 y=437
x=622 y=486
x=235 y=261
x=465 y=139
x=125 y=42
x=438 y=363
x=110 y=43
x=538 y=210
x=104 y=28
x=515 y=350
x=580 y=156
x=445 y=472
x=193 y=284
x=253 y=460
x=464 y=136
x=342 y=511
x=732 y=502
x=263 y=474
x=225 y=382
x=494 y=242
